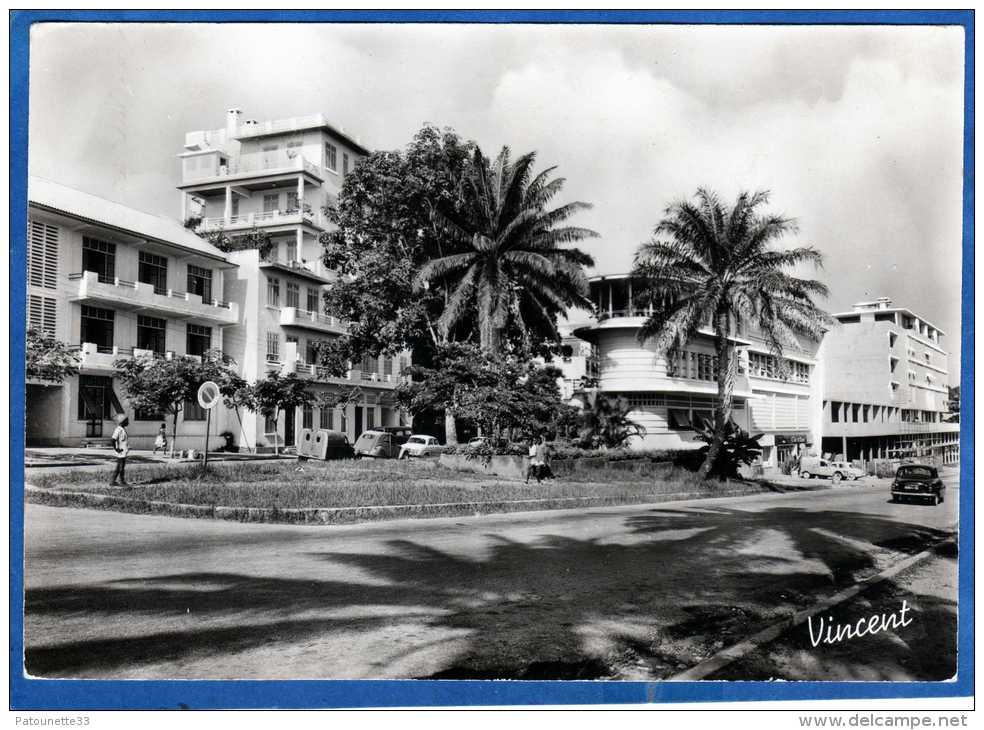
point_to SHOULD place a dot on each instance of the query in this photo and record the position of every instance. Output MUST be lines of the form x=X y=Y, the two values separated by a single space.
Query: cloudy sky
x=856 y=131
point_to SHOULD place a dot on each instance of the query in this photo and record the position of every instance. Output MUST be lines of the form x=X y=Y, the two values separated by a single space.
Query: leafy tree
x=500 y=393
x=953 y=403
x=710 y=262
x=738 y=448
x=49 y=359
x=159 y=385
x=277 y=392
x=386 y=230
x=237 y=394
x=605 y=422
x=508 y=261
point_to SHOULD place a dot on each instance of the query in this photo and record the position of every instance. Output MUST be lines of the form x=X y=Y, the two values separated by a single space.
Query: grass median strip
x=336 y=492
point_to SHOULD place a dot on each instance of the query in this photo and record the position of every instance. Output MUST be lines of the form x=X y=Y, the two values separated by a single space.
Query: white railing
x=281 y=125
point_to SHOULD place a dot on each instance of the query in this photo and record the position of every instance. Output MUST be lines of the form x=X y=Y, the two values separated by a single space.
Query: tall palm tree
x=511 y=261
x=711 y=263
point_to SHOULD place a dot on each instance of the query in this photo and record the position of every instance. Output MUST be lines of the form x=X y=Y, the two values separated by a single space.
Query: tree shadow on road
x=663 y=594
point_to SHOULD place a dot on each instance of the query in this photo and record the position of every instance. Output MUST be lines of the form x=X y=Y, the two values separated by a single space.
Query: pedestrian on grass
x=121 y=447
x=161 y=441
x=543 y=458
x=534 y=468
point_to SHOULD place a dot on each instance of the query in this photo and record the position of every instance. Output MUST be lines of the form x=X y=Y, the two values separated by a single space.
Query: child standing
x=122 y=447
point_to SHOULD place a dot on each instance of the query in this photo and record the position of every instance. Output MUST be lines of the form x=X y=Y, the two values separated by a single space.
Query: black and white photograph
x=462 y=351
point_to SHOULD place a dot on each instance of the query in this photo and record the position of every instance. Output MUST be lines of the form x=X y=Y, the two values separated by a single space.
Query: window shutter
x=41 y=314
x=42 y=257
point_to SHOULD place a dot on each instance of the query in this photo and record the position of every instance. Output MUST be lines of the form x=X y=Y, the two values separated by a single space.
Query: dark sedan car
x=918 y=481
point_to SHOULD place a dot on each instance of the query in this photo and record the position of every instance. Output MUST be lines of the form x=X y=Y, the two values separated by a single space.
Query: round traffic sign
x=208 y=395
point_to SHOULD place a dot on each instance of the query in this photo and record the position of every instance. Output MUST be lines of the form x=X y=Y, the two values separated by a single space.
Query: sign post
x=208 y=397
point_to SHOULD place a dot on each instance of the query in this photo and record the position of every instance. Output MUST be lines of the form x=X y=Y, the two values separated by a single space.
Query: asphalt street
x=636 y=592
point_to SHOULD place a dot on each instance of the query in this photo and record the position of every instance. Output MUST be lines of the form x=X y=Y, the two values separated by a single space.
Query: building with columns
x=275 y=177
x=885 y=386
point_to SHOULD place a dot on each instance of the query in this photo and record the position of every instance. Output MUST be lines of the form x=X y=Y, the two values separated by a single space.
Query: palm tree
x=605 y=421
x=710 y=263
x=510 y=262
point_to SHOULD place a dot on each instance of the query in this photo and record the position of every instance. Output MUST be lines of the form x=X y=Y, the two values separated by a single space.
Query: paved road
x=626 y=592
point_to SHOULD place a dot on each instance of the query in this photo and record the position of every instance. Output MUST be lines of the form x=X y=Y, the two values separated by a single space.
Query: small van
x=377 y=444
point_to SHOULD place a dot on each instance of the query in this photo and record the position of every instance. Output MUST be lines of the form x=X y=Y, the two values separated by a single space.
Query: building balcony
x=633 y=319
x=280 y=126
x=294 y=317
x=319 y=374
x=121 y=294
x=266 y=219
x=99 y=358
x=254 y=165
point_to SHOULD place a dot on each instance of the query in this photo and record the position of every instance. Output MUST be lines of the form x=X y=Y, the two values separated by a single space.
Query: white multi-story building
x=885 y=386
x=114 y=283
x=276 y=177
x=667 y=398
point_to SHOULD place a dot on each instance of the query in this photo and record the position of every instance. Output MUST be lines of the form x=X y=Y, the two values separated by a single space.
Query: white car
x=419 y=445
x=848 y=471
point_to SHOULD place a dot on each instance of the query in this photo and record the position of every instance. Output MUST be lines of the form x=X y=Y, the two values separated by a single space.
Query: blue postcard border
x=38 y=694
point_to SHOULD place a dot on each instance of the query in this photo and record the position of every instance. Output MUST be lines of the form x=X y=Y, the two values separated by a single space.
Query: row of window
x=98 y=402
x=100 y=257
x=292 y=296
x=761 y=365
x=869 y=413
x=98 y=328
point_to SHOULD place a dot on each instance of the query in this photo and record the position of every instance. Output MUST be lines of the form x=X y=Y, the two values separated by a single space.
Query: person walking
x=121 y=446
x=161 y=441
x=543 y=459
x=534 y=467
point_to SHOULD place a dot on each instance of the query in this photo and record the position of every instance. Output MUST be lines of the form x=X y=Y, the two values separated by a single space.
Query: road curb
x=731 y=654
x=346 y=515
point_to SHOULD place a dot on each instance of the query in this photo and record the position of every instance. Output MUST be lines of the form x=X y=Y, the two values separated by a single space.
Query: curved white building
x=667 y=397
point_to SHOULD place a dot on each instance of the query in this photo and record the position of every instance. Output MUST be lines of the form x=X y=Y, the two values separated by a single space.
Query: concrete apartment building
x=667 y=397
x=276 y=177
x=114 y=282
x=885 y=386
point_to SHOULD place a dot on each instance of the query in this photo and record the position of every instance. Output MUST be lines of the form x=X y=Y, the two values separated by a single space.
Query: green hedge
x=562 y=453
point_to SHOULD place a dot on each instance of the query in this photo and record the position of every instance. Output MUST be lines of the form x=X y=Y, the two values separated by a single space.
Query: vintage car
x=813 y=466
x=918 y=481
x=377 y=444
x=847 y=471
x=420 y=445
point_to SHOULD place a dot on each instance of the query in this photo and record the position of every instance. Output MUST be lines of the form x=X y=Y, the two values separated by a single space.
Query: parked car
x=400 y=433
x=918 y=481
x=338 y=446
x=478 y=441
x=813 y=466
x=420 y=445
x=377 y=444
x=848 y=471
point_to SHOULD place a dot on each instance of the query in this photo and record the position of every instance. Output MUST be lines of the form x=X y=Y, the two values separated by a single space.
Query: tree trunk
x=725 y=384
x=450 y=428
x=276 y=432
x=174 y=431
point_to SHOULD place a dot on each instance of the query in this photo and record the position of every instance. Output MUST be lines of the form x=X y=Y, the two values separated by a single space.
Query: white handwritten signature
x=862 y=627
